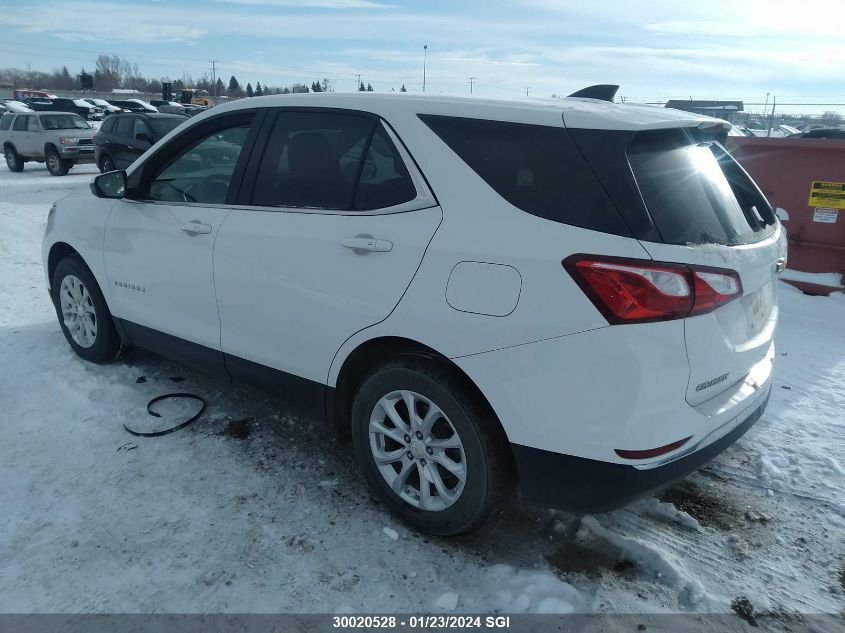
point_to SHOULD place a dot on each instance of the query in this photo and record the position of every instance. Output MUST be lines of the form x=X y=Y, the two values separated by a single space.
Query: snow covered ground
x=252 y=510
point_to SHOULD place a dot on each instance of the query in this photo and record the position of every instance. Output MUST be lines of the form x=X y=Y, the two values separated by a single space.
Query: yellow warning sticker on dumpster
x=827 y=194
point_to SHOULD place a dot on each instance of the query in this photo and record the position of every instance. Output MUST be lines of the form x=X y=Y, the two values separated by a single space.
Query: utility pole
x=772 y=116
x=214 y=79
x=526 y=90
x=471 y=79
x=28 y=66
x=358 y=83
x=425 y=55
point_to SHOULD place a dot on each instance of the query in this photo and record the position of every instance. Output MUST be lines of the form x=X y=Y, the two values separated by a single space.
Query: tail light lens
x=639 y=291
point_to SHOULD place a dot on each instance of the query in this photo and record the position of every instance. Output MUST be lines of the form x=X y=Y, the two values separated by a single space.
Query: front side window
x=202 y=173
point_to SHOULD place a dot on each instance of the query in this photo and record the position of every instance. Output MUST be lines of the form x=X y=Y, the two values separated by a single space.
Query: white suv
x=576 y=297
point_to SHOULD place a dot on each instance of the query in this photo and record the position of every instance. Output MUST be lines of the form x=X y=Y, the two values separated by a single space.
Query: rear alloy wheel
x=106 y=164
x=13 y=161
x=55 y=165
x=430 y=449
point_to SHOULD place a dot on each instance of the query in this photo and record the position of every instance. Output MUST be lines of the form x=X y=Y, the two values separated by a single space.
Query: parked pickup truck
x=61 y=139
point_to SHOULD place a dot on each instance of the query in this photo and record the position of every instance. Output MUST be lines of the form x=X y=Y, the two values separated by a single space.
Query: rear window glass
x=107 y=125
x=536 y=168
x=123 y=127
x=695 y=192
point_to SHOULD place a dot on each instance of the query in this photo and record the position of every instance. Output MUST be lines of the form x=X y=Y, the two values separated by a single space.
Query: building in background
x=720 y=109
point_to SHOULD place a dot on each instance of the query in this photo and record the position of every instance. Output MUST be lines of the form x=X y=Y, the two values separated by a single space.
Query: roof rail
x=603 y=92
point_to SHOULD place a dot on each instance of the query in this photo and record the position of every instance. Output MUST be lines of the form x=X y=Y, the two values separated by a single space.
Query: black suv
x=60 y=104
x=124 y=137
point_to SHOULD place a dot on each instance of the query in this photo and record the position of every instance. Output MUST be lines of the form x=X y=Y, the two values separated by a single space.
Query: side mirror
x=109 y=185
x=143 y=136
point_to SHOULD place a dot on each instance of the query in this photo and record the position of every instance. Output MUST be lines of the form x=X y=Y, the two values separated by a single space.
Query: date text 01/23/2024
x=421 y=622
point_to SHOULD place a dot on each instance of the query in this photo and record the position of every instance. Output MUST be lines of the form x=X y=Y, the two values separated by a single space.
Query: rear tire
x=82 y=312
x=55 y=164
x=13 y=159
x=447 y=477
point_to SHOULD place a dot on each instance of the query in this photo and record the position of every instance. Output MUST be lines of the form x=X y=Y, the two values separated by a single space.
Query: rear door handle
x=196 y=228
x=368 y=244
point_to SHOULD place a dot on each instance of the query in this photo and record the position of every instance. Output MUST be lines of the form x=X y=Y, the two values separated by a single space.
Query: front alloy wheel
x=78 y=314
x=418 y=451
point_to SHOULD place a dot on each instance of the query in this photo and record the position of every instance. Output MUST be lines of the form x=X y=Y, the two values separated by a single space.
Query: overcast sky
x=655 y=49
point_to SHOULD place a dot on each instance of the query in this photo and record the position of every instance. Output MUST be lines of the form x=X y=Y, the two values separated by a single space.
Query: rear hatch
x=697 y=206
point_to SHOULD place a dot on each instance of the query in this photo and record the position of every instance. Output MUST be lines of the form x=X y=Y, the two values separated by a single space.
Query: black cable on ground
x=193 y=418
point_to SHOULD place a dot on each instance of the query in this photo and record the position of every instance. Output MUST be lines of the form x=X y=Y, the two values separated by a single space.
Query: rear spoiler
x=602 y=92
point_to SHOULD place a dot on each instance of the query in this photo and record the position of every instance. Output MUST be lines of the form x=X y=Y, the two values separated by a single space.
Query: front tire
x=429 y=449
x=106 y=164
x=13 y=160
x=82 y=312
x=55 y=164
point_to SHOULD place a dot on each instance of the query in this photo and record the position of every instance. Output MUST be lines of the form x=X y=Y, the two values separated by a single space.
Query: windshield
x=162 y=127
x=696 y=193
x=64 y=122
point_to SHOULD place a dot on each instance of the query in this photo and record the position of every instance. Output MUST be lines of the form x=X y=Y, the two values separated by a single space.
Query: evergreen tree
x=221 y=87
x=369 y=88
x=249 y=92
x=234 y=89
x=403 y=88
x=259 y=91
x=361 y=87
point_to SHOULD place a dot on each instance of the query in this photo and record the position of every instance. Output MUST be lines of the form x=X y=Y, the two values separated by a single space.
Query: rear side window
x=385 y=181
x=696 y=193
x=108 y=125
x=5 y=122
x=21 y=123
x=536 y=168
x=312 y=160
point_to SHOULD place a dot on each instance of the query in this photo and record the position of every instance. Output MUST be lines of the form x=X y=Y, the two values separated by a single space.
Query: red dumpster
x=804 y=179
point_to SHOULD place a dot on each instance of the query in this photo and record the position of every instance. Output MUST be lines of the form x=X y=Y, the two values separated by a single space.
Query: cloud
x=313 y=4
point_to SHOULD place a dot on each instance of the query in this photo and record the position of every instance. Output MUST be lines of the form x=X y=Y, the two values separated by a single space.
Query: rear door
x=331 y=225
x=708 y=212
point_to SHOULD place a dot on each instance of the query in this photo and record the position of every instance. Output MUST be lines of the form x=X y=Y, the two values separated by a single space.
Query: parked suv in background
x=104 y=105
x=124 y=137
x=576 y=297
x=81 y=107
x=61 y=139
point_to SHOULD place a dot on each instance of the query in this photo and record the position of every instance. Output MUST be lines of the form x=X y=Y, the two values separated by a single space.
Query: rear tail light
x=640 y=291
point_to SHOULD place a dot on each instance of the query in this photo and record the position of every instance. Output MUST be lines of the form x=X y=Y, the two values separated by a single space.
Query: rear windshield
x=163 y=127
x=64 y=122
x=696 y=193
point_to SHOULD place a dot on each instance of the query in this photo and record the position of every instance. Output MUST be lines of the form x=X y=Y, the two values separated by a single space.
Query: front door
x=159 y=243
x=328 y=235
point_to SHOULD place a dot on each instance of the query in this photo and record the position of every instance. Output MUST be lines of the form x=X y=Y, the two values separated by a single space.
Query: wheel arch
x=371 y=353
x=50 y=146
x=58 y=252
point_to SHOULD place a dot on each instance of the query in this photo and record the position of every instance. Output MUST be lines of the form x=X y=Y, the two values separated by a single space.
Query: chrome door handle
x=196 y=228
x=368 y=244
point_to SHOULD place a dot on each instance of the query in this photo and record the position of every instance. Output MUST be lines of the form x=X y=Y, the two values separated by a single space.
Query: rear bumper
x=584 y=485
